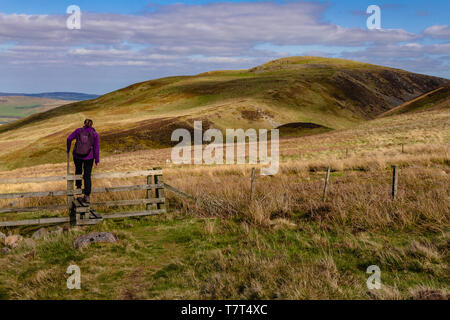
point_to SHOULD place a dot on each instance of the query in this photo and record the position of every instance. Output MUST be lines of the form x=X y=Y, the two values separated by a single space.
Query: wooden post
x=159 y=192
x=148 y=207
x=70 y=184
x=346 y=152
x=252 y=184
x=394 y=181
x=403 y=149
x=327 y=178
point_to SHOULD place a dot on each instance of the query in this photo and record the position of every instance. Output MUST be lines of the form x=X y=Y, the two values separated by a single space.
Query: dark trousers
x=85 y=167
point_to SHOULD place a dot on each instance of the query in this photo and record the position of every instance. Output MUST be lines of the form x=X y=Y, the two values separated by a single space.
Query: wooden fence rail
x=106 y=175
x=78 y=192
x=41 y=179
x=67 y=219
x=154 y=204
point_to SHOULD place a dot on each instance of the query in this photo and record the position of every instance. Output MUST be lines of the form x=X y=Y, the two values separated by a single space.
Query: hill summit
x=322 y=92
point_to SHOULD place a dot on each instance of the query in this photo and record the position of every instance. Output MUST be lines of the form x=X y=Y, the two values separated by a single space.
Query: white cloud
x=239 y=25
x=191 y=38
x=438 y=32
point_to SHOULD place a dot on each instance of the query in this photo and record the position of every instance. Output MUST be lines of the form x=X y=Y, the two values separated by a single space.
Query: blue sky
x=123 y=42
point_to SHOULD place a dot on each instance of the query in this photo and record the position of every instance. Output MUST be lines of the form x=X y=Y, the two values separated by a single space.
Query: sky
x=122 y=42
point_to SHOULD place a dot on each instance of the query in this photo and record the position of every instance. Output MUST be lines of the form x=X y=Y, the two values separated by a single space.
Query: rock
x=58 y=230
x=87 y=239
x=2 y=237
x=41 y=233
x=13 y=241
x=5 y=250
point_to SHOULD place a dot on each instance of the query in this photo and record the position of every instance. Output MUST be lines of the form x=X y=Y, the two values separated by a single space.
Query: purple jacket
x=95 y=152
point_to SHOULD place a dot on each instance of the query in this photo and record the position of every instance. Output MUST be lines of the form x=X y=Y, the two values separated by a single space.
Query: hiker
x=86 y=151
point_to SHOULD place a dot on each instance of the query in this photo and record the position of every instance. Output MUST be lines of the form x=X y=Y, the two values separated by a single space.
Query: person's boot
x=86 y=199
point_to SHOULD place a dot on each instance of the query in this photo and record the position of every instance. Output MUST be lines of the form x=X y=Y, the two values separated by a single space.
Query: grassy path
x=174 y=257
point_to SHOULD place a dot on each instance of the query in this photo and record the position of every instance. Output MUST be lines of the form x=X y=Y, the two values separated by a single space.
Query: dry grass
x=285 y=244
x=359 y=194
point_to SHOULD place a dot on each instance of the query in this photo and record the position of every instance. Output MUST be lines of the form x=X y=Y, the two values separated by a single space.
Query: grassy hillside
x=330 y=93
x=13 y=108
x=67 y=96
x=284 y=244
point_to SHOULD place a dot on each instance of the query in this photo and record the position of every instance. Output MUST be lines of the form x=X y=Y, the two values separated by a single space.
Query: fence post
x=159 y=192
x=394 y=181
x=327 y=178
x=403 y=149
x=148 y=207
x=252 y=184
x=70 y=184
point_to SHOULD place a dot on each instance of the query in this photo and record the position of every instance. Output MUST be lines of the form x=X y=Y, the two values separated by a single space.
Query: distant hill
x=71 y=96
x=297 y=94
x=13 y=108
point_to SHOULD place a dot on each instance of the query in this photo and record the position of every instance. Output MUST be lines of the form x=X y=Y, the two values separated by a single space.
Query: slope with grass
x=285 y=243
x=13 y=108
x=67 y=96
x=330 y=93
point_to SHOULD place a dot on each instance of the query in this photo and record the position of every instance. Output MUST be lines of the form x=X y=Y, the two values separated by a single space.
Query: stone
x=41 y=233
x=2 y=236
x=13 y=241
x=58 y=230
x=5 y=250
x=87 y=239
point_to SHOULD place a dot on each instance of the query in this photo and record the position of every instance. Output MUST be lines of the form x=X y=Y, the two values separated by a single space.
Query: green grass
x=17 y=107
x=175 y=257
x=17 y=110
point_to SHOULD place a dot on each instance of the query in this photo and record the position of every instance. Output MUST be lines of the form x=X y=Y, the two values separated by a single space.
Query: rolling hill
x=286 y=242
x=298 y=92
x=71 y=96
x=283 y=241
x=13 y=108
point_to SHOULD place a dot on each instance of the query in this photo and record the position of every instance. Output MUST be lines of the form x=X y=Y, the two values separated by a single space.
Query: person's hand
x=96 y=164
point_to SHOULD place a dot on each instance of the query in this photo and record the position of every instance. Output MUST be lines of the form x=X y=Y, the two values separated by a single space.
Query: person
x=85 y=152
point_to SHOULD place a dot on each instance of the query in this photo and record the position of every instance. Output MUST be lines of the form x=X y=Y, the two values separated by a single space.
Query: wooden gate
x=154 y=200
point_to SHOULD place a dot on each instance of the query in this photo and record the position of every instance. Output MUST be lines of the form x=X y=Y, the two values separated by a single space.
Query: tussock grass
x=285 y=244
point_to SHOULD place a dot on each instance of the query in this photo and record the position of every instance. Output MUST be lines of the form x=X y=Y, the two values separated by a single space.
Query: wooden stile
x=78 y=192
x=70 y=184
x=159 y=192
x=148 y=207
x=83 y=214
x=40 y=179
